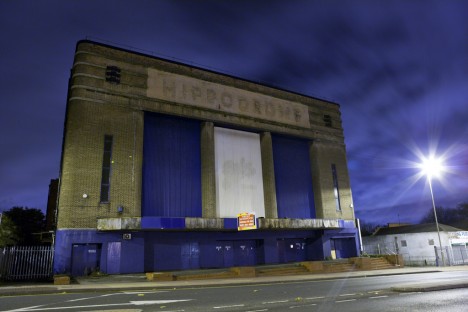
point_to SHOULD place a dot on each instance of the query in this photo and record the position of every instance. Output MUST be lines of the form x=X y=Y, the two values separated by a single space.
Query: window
x=403 y=243
x=431 y=242
x=336 y=191
x=106 y=169
x=328 y=121
x=113 y=74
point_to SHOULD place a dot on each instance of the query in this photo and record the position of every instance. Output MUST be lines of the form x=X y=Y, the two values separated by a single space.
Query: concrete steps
x=293 y=269
x=308 y=267
x=208 y=275
x=381 y=264
x=337 y=267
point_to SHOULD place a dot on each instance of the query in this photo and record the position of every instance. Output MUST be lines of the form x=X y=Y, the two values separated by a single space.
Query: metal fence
x=452 y=255
x=391 y=249
x=19 y=263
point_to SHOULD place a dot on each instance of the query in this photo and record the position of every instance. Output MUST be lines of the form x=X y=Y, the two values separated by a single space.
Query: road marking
x=344 y=295
x=410 y=293
x=273 y=302
x=116 y=294
x=257 y=310
x=142 y=292
x=38 y=308
x=378 y=297
x=314 y=298
x=301 y=306
x=347 y=300
x=229 y=306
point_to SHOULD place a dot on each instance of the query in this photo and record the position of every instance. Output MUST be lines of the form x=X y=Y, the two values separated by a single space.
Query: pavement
x=126 y=282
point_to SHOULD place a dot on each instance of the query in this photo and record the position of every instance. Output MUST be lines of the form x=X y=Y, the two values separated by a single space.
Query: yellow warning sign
x=246 y=221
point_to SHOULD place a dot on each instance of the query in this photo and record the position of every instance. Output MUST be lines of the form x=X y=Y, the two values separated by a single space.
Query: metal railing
x=19 y=263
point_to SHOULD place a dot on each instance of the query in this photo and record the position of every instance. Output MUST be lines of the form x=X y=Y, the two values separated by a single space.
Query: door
x=291 y=250
x=245 y=253
x=113 y=257
x=190 y=256
x=345 y=247
x=85 y=259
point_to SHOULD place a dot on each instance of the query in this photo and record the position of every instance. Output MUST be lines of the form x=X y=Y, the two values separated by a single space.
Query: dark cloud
x=398 y=69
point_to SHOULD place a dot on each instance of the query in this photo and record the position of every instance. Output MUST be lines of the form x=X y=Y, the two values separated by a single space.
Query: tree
x=462 y=211
x=28 y=221
x=8 y=232
x=368 y=229
x=448 y=216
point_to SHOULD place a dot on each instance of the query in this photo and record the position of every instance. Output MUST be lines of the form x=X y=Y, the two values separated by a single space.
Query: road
x=355 y=294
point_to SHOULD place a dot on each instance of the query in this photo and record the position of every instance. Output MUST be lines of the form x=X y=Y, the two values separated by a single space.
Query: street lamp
x=432 y=167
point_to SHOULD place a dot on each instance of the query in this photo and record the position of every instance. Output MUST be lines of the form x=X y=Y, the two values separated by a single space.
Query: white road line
x=273 y=302
x=142 y=292
x=339 y=301
x=229 y=306
x=314 y=298
x=301 y=306
x=410 y=293
x=378 y=297
x=344 y=295
x=38 y=308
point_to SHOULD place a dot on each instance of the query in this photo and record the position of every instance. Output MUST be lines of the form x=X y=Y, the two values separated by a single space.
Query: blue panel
x=245 y=253
x=171 y=167
x=293 y=178
x=347 y=224
x=148 y=223
x=167 y=256
x=113 y=257
x=132 y=251
x=85 y=259
x=231 y=223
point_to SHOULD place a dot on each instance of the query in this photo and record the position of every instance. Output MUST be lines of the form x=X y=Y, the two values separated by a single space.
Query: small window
x=336 y=191
x=327 y=120
x=113 y=74
x=106 y=168
x=403 y=243
x=431 y=242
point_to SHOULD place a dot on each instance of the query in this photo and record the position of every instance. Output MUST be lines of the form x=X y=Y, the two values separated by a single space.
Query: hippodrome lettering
x=200 y=93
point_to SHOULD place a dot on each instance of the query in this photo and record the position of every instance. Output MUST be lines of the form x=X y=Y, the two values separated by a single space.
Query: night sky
x=399 y=70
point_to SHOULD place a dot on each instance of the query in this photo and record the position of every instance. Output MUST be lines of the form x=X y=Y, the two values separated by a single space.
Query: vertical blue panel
x=293 y=178
x=171 y=167
x=113 y=257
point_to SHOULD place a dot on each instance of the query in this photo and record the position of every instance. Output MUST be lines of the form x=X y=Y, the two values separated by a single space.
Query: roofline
x=199 y=68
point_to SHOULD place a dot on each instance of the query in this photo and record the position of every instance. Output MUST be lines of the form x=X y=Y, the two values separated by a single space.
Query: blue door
x=85 y=259
x=292 y=250
x=190 y=253
x=344 y=247
x=113 y=257
x=245 y=253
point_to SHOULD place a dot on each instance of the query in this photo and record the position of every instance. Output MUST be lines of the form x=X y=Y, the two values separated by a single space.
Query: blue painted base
x=79 y=252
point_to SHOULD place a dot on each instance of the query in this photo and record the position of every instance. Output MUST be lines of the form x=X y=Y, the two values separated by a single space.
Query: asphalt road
x=355 y=294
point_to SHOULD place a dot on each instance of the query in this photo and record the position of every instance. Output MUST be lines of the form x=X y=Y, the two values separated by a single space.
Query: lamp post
x=432 y=167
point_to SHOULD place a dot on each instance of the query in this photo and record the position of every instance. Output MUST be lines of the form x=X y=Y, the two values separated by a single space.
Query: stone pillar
x=322 y=156
x=314 y=155
x=208 y=174
x=268 y=173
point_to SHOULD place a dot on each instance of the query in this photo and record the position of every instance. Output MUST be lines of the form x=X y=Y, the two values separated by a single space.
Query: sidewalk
x=139 y=282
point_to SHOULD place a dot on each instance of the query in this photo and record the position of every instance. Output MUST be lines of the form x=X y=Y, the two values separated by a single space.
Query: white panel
x=239 y=182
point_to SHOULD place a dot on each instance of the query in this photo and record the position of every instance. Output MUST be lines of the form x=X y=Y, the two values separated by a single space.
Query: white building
x=417 y=243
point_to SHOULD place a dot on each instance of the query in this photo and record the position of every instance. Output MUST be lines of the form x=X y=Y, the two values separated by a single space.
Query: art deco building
x=168 y=166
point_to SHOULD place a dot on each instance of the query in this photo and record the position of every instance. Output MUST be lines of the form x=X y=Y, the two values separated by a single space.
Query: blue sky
x=398 y=69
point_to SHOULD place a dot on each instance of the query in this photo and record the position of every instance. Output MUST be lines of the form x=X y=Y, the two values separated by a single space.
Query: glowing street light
x=432 y=167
